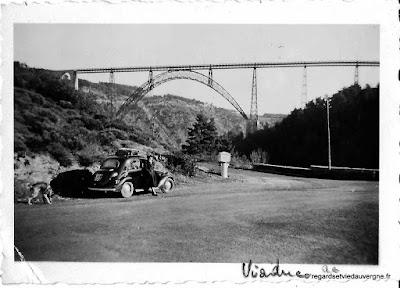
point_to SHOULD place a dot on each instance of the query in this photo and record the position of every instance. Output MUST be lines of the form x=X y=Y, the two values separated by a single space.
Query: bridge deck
x=231 y=66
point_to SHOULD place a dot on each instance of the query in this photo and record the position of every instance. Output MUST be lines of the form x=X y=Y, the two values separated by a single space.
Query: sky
x=75 y=46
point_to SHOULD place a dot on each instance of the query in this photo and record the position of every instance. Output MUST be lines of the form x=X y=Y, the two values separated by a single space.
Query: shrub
x=37 y=98
x=55 y=89
x=61 y=154
x=259 y=156
x=19 y=144
x=120 y=125
x=20 y=190
x=87 y=102
x=47 y=114
x=141 y=139
x=206 y=157
x=238 y=161
x=106 y=137
x=34 y=168
x=91 y=123
x=66 y=104
x=119 y=134
x=34 y=142
x=181 y=163
x=71 y=112
x=89 y=155
x=85 y=158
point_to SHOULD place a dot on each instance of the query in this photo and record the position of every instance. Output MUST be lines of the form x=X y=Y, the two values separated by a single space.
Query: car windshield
x=110 y=163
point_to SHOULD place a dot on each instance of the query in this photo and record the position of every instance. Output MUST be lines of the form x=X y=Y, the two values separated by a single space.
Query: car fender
x=123 y=181
x=162 y=181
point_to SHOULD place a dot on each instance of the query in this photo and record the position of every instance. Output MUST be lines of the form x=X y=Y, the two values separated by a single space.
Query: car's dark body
x=124 y=174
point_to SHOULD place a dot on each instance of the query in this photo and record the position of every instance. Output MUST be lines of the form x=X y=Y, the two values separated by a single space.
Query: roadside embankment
x=339 y=173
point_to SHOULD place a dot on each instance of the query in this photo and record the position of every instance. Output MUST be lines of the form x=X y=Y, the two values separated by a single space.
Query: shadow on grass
x=358 y=236
x=213 y=172
x=72 y=183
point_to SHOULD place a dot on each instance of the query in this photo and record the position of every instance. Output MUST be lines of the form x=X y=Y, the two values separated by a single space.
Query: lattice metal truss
x=356 y=75
x=210 y=76
x=146 y=87
x=254 y=108
x=112 y=94
x=304 y=88
x=150 y=81
x=231 y=66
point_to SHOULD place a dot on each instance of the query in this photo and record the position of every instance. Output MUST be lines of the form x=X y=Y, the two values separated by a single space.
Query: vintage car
x=123 y=173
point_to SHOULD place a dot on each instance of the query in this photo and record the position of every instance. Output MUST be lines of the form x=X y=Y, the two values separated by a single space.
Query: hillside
x=165 y=116
x=301 y=139
x=52 y=118
x=269 y=120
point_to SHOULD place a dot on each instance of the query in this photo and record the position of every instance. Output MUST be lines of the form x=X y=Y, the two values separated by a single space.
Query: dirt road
x=253 y=215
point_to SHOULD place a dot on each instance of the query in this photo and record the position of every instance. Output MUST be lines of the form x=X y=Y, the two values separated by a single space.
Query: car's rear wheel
x=167 y=186
x=127 y=189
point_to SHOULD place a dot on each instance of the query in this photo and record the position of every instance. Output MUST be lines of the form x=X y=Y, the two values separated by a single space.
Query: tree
x=301 y=139
x=202 y=136
x=224 y=142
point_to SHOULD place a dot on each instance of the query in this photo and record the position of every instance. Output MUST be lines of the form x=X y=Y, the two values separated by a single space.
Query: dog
x=40 y=188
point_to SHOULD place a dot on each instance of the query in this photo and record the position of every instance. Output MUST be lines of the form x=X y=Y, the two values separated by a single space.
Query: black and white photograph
x=256 y=146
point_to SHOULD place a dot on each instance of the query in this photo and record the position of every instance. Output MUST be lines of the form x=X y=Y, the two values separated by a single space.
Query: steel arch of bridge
x=162 y=78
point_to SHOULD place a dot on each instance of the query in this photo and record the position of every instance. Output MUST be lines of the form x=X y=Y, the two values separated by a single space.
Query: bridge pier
x=251 y=127
x=151 y=81
x=210 y=76
x=356 y=75
x=112 y=94
x=303 y=102
x=76 y=80
x=252 y=123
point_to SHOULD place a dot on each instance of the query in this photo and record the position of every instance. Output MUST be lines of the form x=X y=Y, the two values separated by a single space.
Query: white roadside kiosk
x=224 y=158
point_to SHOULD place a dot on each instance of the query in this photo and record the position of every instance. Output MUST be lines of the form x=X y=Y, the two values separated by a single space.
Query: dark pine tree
x=202 y=136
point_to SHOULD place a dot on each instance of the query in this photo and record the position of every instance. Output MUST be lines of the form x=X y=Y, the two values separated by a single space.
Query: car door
x=135 y=171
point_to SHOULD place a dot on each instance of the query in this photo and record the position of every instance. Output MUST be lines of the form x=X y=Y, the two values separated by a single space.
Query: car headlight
x=115 y=174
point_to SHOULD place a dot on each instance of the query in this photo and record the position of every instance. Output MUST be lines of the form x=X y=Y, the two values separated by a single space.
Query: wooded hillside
x=301 y=139
x=51 y=117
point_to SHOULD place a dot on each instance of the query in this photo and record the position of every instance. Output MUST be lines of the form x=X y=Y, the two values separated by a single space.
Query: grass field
x=257 y=216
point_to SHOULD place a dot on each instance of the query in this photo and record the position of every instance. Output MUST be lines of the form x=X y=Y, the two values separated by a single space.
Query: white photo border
x=382 y=13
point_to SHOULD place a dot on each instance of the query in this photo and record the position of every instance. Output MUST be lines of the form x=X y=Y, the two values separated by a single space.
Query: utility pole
x=329 y=133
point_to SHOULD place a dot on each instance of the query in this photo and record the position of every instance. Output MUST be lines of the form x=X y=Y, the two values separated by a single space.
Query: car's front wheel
x=127 y=189
x=167 y=186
